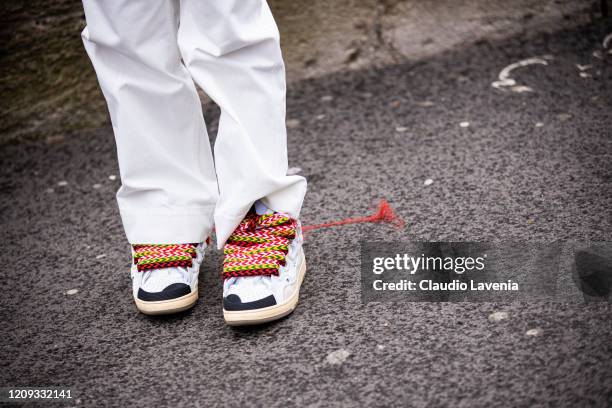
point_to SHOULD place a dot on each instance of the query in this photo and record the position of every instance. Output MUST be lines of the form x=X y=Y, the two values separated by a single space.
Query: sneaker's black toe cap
x=176 y=290
x=233 y=302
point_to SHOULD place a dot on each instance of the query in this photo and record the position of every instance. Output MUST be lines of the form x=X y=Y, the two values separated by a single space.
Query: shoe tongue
x=261 y=209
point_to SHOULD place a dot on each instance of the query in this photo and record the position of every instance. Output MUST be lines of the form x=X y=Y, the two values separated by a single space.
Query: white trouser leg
x=231 y=48
x=169 y=187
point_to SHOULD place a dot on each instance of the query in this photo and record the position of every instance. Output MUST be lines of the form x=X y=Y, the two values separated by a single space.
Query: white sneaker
x=165 y=277
x=263 y=269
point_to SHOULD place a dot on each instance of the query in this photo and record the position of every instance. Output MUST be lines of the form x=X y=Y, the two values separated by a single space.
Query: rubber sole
x=163 y=307
x=267 y=314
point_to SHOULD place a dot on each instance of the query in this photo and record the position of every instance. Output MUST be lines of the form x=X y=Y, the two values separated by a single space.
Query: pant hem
x=288 y=200
x=172 y=228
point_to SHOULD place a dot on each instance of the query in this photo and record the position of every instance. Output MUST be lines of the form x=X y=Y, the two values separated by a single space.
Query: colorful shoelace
x=158 y=256
x=258 y=246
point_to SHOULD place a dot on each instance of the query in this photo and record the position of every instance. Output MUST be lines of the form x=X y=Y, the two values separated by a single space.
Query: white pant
x=171 y=190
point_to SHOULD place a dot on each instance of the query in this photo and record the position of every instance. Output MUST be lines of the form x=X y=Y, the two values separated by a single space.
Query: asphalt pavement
x=506 y=165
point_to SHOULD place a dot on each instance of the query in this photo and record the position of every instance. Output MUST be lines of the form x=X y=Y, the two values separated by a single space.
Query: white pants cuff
x=287 y=200
x=191 y=226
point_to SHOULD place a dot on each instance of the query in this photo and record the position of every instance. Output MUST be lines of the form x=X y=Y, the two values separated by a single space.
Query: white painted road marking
x=506 y=82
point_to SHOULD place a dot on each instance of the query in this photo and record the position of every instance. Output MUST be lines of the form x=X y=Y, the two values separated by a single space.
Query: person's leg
x=231 y=48
x=169 y=188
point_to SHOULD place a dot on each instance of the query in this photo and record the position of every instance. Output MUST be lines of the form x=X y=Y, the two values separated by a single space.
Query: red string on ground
x=384 y=214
